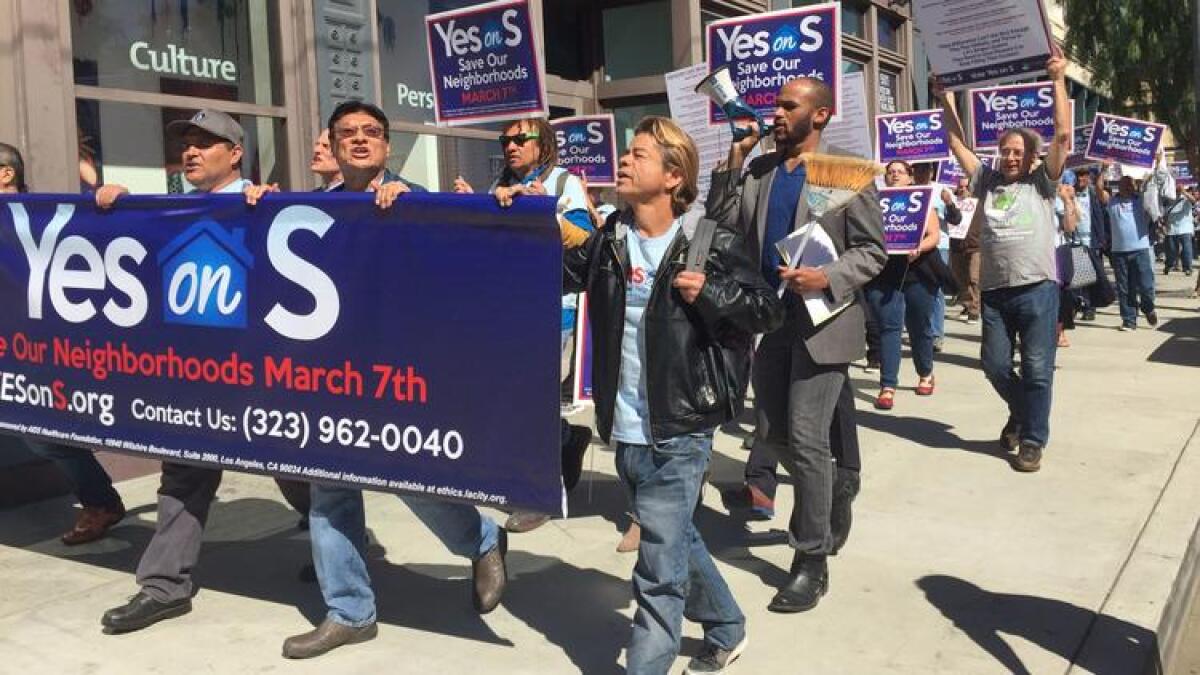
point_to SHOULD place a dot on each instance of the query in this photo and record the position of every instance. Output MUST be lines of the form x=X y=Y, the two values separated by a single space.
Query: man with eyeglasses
x=212 y=160
x=338 y=522
x=530 y=149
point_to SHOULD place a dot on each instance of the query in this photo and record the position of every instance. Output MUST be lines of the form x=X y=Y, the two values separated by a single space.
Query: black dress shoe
x=490 y=576
x=845 y=489
x=142 y=611
x=810 y=580
x=572 y=455
x=329 y=635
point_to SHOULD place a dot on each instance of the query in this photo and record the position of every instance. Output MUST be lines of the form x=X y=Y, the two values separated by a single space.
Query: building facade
x=87 y=87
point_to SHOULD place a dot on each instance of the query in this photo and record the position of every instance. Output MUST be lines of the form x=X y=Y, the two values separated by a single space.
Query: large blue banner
x=911 y=137
x=484 y=65
x=1125 y=140
x=313 y=337
x=995 y=110
x=764 y=51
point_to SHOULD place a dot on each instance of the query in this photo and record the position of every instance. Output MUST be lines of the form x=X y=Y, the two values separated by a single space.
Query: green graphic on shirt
x=1004 y=200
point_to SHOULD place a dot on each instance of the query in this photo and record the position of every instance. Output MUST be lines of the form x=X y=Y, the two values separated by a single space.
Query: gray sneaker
x=713 y=659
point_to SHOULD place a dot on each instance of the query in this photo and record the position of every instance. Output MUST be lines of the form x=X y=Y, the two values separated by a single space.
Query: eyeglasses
x=520 y=139
x=372 y=131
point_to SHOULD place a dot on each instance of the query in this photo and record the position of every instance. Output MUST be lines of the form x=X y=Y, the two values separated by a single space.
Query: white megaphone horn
x=718 y=87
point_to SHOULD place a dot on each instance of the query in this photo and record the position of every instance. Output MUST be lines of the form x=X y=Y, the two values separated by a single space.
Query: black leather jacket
x=686 y=389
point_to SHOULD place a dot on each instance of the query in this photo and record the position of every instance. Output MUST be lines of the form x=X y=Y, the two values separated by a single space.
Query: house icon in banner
x=204 y=272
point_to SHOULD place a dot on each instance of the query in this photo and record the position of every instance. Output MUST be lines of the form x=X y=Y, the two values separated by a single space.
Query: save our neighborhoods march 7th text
x=312 y=337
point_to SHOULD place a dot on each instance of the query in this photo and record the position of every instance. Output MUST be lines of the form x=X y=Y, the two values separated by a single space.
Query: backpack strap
x=699 y=245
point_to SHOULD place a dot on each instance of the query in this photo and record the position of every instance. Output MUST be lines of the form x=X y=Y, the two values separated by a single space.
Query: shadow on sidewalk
x=1053 y=625
x=929 y=433
x=1183 y=347
x=577 y=609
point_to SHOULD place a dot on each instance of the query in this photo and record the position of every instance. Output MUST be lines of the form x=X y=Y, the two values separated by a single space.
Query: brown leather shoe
x=490 y=576
x=93 y=523
x=329 y=635
x=525 y=521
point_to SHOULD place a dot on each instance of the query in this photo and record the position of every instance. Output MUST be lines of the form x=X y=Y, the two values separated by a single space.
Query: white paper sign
x=967 y=206
x=690 y=111
x=973 y=42
x=851 y=130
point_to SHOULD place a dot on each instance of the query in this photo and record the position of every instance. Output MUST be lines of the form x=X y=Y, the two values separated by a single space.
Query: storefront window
x=126 y=143
x=888 y=28
x=637 y=40
x=854 y=17
x=889 y=92
x=435 y=161
x=224 y=50
x=627 y=117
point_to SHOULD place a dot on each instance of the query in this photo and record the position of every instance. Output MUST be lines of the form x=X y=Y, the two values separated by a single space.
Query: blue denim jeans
x=896 y=309
x=1134 y=271
x=92 y=484
x=1028 y=314
x=938 y=317
x=1179 y=251
x=675 y=576
x=337 y=525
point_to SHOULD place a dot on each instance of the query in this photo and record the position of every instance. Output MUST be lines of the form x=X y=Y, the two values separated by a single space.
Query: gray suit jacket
x=856 y=231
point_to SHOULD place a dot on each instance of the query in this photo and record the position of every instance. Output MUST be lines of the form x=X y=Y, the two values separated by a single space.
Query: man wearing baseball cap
x=212 y=160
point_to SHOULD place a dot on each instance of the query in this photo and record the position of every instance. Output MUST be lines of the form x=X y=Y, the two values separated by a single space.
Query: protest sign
x=850 y=130
x=904 y=212
x=911 y=137
x=764 y=51
x=967 y=205
x=949 y=172
x=588 y=144
x=1080 y=138
x=1183 y=174
x=582 y=391
x=313 y=337
x=971 y=42
x=995 y=110
x=690 y=111
x=1125 y=140
x=484 y=65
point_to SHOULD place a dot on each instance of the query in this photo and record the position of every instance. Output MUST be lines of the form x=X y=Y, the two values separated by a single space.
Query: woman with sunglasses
x=530 y=149
x=903 y=295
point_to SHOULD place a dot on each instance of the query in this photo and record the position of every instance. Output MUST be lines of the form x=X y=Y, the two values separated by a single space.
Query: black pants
x=762 y=469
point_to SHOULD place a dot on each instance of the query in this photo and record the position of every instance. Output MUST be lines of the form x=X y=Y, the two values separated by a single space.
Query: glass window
x=889 y=92
x=627 y=117
x=403 y=56
x=888 y=30
x=224 y=50
x=637 y=40
x=569 y=35
x=126 y=143
x=849 y=66
x=435 y=161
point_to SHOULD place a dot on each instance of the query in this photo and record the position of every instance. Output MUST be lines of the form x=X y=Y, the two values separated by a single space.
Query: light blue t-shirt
x=631 y=418
x=1179 y=217
x=939 y=206
x=1083 y=204
x=1130 y=225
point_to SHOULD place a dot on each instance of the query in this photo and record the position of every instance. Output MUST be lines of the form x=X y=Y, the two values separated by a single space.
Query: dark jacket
x=686 y=388
x=739 y=201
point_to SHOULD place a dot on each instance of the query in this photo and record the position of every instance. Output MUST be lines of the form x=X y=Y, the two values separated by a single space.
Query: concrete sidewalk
x=956 y=564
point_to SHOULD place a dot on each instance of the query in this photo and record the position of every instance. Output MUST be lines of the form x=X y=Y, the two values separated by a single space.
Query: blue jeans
x=1179 y=250
x=1134 y=271
x=938 y=318
x=895 y=309
x=337 y=525
x=1028 y=314
x=92 y=484
x=675 y=576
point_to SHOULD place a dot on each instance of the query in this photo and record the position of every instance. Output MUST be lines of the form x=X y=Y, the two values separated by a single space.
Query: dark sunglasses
x=520 y=139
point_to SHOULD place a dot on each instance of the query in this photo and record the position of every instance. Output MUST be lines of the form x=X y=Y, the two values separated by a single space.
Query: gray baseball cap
x=214 y=122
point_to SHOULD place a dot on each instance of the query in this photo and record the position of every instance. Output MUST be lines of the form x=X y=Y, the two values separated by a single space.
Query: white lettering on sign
x=414 y=98
x=462 y=41
x=176 y=61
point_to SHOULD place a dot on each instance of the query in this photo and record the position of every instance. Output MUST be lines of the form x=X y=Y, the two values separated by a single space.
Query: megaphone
x=718 y=87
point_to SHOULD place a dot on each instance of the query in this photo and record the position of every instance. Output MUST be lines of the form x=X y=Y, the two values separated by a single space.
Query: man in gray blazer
x=800 y=369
